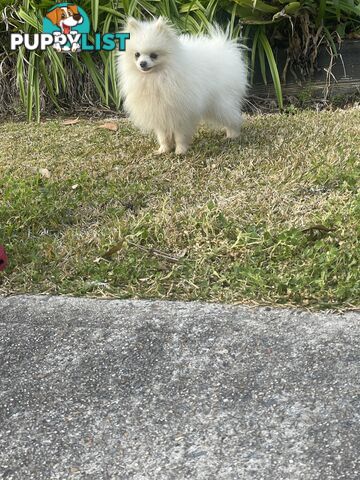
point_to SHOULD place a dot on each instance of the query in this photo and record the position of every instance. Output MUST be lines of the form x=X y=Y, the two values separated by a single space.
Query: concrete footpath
x=95 y=389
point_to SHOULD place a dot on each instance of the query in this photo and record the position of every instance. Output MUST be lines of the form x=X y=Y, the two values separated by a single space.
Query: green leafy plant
x=43 y=77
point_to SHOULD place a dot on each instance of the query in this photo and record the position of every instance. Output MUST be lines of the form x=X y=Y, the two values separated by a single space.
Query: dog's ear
x=54 y=16
x=132 y=24
x=73 y=9
x=162 y=25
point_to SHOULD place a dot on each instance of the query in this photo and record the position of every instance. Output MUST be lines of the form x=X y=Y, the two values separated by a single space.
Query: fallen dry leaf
x=110 y=126
x=74 y=187
x=354 y=36
x=114 y=249
x=44 y=172
x=320 y=228
x=182 y=253
x=71 y=121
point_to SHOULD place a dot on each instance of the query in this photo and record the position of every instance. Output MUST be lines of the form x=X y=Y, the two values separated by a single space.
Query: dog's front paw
x=181 y=149
x=232 y=133
x=75 y=47
x=163 y=149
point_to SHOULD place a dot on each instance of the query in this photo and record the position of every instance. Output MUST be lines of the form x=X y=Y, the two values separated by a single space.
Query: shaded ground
x=98 y=390
x=271 y=218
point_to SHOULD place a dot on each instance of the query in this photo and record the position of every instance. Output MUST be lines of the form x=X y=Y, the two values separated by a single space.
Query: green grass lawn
x=271 y=218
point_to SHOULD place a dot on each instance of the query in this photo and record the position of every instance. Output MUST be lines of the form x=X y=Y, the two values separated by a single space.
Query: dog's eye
x=153 y=56
x=137 y=55
x=63 y=15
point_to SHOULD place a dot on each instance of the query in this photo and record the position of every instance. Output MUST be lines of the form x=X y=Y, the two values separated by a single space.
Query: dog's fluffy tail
x=215 y=31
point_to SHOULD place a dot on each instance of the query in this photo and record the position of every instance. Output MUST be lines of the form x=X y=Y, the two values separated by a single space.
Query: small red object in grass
x=3 y=258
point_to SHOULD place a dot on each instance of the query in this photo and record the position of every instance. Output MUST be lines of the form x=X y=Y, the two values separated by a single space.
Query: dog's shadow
x=215 y=141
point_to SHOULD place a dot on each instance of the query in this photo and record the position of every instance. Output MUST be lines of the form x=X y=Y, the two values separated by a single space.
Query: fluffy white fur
x=172 y=82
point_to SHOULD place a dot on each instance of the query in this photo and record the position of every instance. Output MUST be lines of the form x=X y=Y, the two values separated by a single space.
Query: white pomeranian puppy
x=171 y=83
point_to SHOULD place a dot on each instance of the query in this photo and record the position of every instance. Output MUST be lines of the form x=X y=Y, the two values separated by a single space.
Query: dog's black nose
x=143 y=64
x=77 y=16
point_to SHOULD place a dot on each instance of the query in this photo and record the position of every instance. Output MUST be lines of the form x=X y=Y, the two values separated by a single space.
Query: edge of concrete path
x=50 y=303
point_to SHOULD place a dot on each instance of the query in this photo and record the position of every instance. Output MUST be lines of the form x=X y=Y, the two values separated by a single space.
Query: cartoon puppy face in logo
x=65 y=18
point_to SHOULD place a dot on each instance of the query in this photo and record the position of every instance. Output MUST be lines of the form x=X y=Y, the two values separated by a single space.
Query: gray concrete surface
x=148 y=390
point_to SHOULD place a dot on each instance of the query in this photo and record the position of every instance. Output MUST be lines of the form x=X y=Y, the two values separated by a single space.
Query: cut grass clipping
x=271 y=218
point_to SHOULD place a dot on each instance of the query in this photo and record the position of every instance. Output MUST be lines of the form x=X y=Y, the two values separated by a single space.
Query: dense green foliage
x=40 y=76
